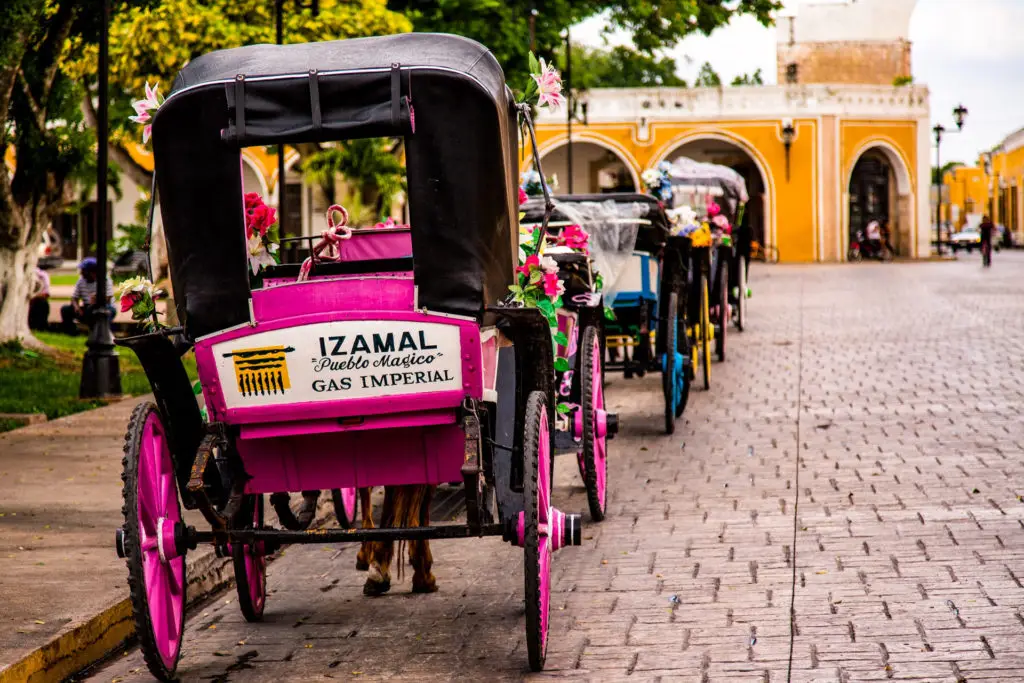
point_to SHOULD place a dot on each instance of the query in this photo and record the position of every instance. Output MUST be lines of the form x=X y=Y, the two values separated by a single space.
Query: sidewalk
x=63 y=588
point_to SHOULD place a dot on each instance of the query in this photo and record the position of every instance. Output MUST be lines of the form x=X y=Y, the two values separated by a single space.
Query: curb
x=81 y=645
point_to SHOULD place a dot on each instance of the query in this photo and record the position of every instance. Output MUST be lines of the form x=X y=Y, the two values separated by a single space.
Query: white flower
x=548 y=264
x=549 y=86
x=259 y=257
x=651 y=177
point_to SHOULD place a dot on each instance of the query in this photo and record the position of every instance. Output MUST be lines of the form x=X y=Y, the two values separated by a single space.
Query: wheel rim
x=158 y=507
x=256 y=565
x=600 y=440
x=543 y=521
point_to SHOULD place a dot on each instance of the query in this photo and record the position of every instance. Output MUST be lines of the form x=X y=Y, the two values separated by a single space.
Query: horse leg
x=419 y=551
x=378 y=577
x=362 y=559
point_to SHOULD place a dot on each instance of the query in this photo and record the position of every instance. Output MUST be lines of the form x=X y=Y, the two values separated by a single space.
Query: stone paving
x=871 y=410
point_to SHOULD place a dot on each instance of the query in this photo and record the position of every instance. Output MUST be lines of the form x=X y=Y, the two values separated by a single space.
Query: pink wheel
x=345 y=501
x=537 y=527
x=250 y=563
x=594 y=460
x=152 y=520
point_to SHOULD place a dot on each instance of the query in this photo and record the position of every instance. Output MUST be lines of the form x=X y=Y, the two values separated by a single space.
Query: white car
x=970 y=239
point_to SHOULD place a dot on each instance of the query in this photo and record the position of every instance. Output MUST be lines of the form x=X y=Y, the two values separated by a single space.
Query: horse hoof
x=428 y=586
x=375 y=588
x=362 y=565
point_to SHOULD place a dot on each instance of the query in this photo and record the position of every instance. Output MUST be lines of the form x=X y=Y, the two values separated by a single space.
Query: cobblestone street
x=873 y=410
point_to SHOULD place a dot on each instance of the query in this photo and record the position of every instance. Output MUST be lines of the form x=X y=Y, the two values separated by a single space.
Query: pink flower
x=143 y=109
x=553 y=287
x=523 y=197
x=252 y=200
x=574 y=237
x=532 y=261
x=713 y=209
x=549 y=86
x=722 y=223
x=129 y=300
x=548 y=265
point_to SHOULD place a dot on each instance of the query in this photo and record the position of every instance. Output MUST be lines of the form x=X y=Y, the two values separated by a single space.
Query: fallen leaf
x=40 y=621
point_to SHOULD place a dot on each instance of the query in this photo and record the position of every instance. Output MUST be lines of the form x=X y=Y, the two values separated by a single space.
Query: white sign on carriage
x=339 y=360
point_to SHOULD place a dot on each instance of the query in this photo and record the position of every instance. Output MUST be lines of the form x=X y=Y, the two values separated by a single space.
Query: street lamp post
x=959 y=114
x=568 y=107
x=101 y=376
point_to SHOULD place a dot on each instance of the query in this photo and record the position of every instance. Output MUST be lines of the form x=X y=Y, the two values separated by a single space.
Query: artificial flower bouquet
x=262 y=233
x=138 y=295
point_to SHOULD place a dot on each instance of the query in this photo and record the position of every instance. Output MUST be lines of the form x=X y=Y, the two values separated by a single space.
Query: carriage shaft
x=281 y=537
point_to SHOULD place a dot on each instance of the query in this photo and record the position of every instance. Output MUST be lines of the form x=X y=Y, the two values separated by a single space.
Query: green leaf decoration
x=534 y=65
x=562 y=339
x=561 y=364
x=197 y=388
x=546 y=307
x=563 y=408
x=609 y=314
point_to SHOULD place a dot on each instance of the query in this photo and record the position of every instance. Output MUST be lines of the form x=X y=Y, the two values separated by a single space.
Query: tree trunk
x=16 y=268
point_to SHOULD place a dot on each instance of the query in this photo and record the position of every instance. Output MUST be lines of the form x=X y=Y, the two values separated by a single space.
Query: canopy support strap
x=240 y=106
x=396 y=94
x=314 y=99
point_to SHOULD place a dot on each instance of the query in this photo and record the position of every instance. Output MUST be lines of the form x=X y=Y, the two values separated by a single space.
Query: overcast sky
x=966 y=51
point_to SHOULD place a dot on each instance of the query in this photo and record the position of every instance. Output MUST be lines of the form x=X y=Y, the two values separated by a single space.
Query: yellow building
x=992 y=188
x=821 y=159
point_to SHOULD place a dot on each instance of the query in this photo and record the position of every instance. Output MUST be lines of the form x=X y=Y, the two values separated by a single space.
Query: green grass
x=31 y=382
x=64 y=279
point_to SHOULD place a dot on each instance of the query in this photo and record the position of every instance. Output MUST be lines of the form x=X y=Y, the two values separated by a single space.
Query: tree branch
x=37 y=111
x=139 y=175
x=52 y=47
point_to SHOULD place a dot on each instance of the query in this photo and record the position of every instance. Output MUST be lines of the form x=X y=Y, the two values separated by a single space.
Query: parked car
x=50 y=250
x=130 y=264
x=969 y=239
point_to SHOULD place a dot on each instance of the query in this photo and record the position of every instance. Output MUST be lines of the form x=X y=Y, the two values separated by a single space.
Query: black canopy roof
x=650 y=238
x=445 y=94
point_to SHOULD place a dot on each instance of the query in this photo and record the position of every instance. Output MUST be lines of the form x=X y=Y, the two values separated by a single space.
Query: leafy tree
x=619 y=67
x=749 y=79
x=370 y=165
x=504 y=25
x=708 y=77
x=938 y=173
x=151 y=43
x=42 y=124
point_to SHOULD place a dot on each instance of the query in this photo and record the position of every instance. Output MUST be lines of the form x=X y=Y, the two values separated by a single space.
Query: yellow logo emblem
x=261 y=371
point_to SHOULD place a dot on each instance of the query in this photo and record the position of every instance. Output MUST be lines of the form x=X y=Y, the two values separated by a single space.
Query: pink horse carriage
x=394 y=365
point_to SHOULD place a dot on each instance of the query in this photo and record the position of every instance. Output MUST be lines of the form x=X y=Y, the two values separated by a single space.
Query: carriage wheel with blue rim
x=152 y=516
x=250 y=564
x=594 y=462
x=536 y=530
x=345 y=504
x=704 y=342
x=673 y=370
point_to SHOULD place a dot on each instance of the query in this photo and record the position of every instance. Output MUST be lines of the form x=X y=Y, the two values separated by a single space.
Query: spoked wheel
x=741 y=300
x=595 y=438
x=156 y=572
x=345 y=502
x=723 y=311
x=704 y=343
x=537 y=526
x=251 y=565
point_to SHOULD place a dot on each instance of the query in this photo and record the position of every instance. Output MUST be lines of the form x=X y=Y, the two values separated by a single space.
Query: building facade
x=844 y=140
x=992 y=187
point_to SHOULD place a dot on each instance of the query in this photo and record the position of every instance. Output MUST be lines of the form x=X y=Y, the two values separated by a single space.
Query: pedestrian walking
x=83 y=298
x=987 y=228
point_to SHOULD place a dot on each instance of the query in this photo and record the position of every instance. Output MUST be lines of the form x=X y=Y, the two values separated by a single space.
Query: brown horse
x=404 y=507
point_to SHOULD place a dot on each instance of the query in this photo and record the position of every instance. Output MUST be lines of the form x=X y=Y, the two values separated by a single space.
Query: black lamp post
x=959 y=114
x=279 y=19
x=788 y=135
x=101 y=376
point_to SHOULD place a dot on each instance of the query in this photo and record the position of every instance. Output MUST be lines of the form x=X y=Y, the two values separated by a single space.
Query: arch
x=253 y=167
x=897 y=160
x=594 y=139
x=760 y=163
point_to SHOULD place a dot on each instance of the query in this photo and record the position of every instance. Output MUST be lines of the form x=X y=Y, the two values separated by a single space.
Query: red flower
x=523 y=197
x=531 y=261
x=129 y=300
x=252 y=200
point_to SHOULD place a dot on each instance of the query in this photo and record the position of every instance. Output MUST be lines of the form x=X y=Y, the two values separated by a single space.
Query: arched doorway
x=596 y=168
x=879 y=189
x=725 y=153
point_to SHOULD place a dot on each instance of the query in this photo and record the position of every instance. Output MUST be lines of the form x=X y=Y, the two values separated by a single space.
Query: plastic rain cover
x=694 y=181
x=613 y=228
